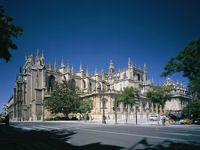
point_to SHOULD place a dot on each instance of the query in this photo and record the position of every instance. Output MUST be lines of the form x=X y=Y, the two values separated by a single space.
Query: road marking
x=51 y=127
x=184 y=134
x=138 y=135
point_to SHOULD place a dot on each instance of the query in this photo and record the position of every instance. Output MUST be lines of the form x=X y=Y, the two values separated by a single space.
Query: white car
x=153 y=118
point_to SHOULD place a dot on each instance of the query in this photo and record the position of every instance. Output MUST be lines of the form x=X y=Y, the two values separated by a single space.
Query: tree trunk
x=156 y=108
x=152 y=108
x=161 y=109
x=127 y=114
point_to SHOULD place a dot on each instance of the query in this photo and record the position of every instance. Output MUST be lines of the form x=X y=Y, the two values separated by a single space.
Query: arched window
x=84 y=85
x=138 y=77
x=99 y=87
x=90 y=84
x=51 y=82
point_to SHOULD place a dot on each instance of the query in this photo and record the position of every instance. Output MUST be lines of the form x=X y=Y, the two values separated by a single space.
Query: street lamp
x=103 y=102
x=136 y=106
x=115 y=106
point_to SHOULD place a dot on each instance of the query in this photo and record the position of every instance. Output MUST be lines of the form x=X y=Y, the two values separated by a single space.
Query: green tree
x=8 y=31
x=86 y=105
x=127 y=97
x=63 y=99
x=159 y=94
x=193 y=108
x=187 y=62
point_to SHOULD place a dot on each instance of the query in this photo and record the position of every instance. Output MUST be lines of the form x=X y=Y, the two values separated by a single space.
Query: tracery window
x=51 y=82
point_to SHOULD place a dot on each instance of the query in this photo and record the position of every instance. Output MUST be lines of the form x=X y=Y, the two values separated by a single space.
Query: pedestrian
x=163 y=120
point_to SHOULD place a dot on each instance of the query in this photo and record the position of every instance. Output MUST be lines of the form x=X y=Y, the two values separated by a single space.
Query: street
x=121 y=135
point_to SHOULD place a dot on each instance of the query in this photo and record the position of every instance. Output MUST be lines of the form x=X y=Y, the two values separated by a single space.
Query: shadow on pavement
x=17 y=139
x=165 y=145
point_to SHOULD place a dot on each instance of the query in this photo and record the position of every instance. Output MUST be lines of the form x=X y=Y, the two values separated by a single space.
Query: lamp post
x=136 y=115
x=136 y=106
x=115 y=110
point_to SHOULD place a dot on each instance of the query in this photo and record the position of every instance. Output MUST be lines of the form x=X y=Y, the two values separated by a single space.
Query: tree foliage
x=159 y=94
x=193 y=108
x=63 y=99
x=7 y=32
x=86 y=105
x=128 y=96
x=188 y=62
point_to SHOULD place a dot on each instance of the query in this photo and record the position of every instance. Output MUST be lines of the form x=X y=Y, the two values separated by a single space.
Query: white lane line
x=36 y=127
x=25 y=128
x=46 y=127
x=183 y=134
x=138 y=135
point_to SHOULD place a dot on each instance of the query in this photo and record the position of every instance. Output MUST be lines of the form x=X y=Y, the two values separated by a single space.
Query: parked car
x=186 y=121
x=197 y=121
x=181 y=121
x=153 y=118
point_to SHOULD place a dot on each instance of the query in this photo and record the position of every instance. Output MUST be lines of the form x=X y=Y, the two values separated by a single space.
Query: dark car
x=197 y=121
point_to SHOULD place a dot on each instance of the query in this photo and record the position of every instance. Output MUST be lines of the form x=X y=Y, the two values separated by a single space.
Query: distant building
x=35 y=82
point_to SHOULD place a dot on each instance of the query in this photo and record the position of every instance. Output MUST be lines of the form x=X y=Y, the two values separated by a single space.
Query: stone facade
x=35 y=81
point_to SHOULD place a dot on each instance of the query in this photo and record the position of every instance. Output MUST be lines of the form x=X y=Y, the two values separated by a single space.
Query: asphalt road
x=125 y=136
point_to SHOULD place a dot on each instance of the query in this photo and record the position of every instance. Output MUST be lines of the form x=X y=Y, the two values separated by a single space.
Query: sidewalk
x=144 y=123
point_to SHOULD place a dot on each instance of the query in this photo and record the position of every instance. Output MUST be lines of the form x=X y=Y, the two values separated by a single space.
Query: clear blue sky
x=93 y=32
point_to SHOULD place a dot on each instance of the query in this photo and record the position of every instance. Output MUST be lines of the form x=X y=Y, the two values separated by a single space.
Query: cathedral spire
x=81 y=68
x=37 y=56
x=145 y=67
x=72 y=69
x=42 y=54
x=102 y=73
x=32 y=58
x=152 y=81
x=38 y=53
x=96 y=71
x=111 y=67
x=62 y=62
x=55 y=65
x=68 y=67
x=87 y=72
x=129 y=62
x=42 y=57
